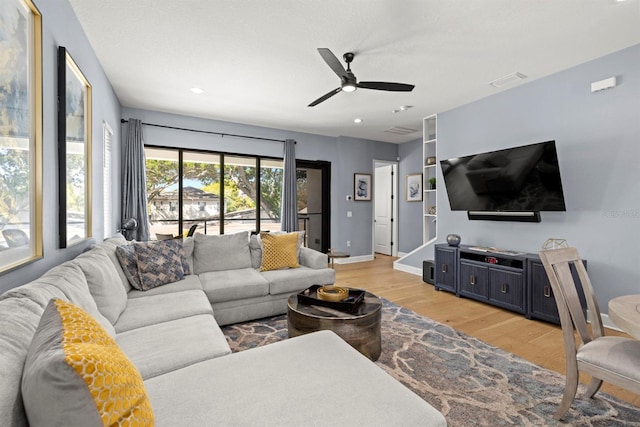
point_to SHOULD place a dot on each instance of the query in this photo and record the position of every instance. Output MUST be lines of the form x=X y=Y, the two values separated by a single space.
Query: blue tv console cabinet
x=515 y=281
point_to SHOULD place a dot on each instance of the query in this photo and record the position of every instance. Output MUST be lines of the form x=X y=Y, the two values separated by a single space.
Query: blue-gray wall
x=409 y=213
x=598 y=141
x=60 y=27
x=347 y=156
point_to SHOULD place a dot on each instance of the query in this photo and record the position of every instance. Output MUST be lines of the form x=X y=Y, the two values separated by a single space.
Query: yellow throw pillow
x=279 y=251
x=76 y=375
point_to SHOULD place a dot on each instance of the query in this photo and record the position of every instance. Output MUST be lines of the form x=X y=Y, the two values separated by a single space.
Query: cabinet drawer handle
x=444 y=268
x=472 y=280
x=547 y=291
x=504 y=288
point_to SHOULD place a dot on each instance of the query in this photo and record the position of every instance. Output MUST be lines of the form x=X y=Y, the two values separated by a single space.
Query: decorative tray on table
x=349 y=304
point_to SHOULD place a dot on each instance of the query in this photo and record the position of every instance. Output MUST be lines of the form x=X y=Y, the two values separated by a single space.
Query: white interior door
x=383 y=216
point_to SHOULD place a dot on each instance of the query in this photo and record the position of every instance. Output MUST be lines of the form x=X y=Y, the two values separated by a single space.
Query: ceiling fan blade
x=394 y=87
x=333 y=62
x=325 y=97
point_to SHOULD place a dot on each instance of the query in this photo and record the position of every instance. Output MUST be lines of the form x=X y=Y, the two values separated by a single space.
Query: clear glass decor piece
x=554 y=243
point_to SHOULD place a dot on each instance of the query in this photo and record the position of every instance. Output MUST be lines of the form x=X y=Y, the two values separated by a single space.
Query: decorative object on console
x=414 y=187
x=361 y=187
x=453 y=239
x=554 y=243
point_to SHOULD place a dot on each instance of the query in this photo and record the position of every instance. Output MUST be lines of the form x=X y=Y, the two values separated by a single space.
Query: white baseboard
x=353 y=259
x=407 y=268
x=401 y=254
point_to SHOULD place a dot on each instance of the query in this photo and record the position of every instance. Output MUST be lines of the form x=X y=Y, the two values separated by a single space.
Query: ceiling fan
x=349 y=83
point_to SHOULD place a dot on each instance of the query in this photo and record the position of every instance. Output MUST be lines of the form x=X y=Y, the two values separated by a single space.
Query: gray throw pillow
x=224 y=252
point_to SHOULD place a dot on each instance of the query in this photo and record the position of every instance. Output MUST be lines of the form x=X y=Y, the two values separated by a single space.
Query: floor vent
x=398 y=130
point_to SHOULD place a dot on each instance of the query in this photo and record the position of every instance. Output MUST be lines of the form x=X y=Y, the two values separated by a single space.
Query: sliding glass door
x=218 y=193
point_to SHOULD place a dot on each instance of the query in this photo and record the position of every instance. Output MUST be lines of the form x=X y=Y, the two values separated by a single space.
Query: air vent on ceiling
x=398 y=130
x=507 y=80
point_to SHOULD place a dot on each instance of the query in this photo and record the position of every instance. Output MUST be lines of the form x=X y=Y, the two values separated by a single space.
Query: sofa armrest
x=313 y=259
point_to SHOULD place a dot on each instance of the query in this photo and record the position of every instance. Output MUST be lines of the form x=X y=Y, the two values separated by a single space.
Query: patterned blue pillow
x=159 y=263
x=127 y=256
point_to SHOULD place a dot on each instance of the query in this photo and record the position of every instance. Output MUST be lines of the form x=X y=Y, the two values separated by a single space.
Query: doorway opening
x=314 y=203
x=385 y=208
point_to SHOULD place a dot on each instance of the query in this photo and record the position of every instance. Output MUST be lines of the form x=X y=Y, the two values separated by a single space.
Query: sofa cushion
x=188 y=245
x=233 y=284
x=165 y=347
x=154 y=309
x=159 y=263
x=19 y=318
x=188 y=283
x=263 y=386
x=109 y=245
x=279 y=251
x=224 y=252
x=67 y=282
x=295 y=280
x=75 y=374
x=104 y=283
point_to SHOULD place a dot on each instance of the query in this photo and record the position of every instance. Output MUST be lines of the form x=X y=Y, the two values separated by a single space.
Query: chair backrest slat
x=557 y=264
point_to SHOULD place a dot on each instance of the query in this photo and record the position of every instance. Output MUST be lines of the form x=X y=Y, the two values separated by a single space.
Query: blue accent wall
x=60 y=27
x=598 y=141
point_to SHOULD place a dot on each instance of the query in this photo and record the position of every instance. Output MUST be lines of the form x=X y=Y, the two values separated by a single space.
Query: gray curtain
x=289 y=210
x=134 y=182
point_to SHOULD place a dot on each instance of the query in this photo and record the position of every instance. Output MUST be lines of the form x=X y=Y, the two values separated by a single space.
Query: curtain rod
x=207 y=131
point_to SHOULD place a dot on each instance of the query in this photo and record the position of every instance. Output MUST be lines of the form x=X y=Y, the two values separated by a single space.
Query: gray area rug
x=469 y=381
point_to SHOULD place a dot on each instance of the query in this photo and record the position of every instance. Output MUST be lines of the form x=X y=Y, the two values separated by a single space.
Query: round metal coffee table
x=360 y=329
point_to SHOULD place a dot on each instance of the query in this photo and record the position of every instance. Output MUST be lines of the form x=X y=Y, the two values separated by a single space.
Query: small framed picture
x=361 y=187
x=430 y=161
x=414 y=187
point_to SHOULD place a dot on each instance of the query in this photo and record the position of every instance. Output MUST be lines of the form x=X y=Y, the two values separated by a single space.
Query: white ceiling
x=257 y=61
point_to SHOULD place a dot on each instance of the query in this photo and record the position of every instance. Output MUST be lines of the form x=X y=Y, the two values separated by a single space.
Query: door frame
x=325 y=167
x=395 y=189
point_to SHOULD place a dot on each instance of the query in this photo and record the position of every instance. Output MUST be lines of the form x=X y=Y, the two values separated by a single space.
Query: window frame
x=222 y=155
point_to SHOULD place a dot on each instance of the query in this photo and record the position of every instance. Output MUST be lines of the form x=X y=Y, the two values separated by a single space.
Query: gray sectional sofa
x=172 y=335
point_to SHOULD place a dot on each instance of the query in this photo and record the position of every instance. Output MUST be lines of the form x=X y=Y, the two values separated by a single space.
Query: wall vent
x=399 y=130
x=507 y=80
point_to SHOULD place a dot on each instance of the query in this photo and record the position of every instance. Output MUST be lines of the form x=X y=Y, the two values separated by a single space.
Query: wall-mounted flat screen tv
x=519 y=179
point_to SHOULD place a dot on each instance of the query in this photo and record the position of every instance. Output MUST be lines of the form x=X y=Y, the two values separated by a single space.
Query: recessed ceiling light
x=197 y=90
x=357 y=120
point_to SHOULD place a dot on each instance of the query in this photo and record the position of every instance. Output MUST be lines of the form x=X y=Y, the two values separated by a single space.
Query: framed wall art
x=361 y=187
x=74 y=152
x=414 y=187
x=20 y=134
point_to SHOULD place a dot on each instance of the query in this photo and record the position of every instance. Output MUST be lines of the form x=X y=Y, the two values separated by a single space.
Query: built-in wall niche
x=429 y=184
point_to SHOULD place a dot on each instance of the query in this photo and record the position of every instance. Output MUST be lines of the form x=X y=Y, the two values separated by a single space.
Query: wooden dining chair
x=605 y=358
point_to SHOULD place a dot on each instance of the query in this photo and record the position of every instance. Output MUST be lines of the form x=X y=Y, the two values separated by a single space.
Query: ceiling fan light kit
x=349 y=82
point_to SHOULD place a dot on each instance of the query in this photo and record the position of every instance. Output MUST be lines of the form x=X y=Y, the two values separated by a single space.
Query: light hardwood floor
x=536 y=341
